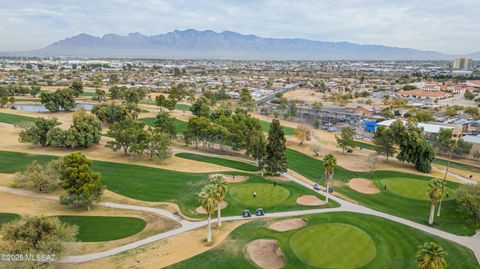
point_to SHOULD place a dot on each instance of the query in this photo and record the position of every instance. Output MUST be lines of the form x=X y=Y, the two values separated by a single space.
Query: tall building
x=462 y=64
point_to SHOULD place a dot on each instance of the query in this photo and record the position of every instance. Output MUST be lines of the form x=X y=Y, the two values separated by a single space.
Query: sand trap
x=266 y=253
x=200 y=209
x=230 y=178
x=287 y=225
x=310 y=200
x=363 y=185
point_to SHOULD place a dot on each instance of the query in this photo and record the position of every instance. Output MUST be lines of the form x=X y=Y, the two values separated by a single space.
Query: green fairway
x=15 y=119
x=386 y=201
x=268 y=195
x=333 y=245
x=181 y=126
x=183 y=107
x=412 y=188
x=219 y=161
x=395 y=245
x=155 y=185
x=441 y=161
x=6 y=217
x=287 y=130
x=103 y=228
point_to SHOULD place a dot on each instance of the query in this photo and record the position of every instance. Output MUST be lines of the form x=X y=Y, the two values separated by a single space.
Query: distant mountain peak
x=208 y=44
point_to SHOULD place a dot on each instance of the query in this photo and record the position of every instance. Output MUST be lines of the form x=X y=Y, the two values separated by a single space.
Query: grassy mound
x=15 y=119
x=322 y=245
x=268 y=195
x=219 y=161
x=103 y=228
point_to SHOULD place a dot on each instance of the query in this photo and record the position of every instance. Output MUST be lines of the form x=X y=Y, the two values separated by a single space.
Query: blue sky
x=447 y=26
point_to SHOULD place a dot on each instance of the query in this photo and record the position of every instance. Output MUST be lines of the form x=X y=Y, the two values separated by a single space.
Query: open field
x=15 y=119
x=266 y=127
x=102 y=228
x=390 y=245
x=386 y=200
x=219 y=161
x=159 y=185
x=180 y=125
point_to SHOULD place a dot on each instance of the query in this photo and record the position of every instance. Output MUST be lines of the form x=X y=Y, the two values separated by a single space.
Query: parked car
x=332 y=129
x=358 y=136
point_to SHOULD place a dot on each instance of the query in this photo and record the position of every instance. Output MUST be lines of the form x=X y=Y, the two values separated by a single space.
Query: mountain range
x=194 y=44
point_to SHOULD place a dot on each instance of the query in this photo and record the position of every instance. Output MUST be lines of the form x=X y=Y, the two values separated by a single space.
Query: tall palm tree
x=452 y=145
x=435 y=192
x=329 y=164
x=220 y=191
x=431 y=256
x=209 y=204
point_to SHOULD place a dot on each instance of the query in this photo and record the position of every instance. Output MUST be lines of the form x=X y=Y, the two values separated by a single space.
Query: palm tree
x=452 y=145
x=431 y=256
x=209 y=204
x=435 y=191
x=220 y=190
x=329 y=164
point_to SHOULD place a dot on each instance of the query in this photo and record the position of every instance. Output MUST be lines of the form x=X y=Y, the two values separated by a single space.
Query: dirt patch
x=230 y=178
x=266 y=253
x=310 y=200
x=363 y=185
x=287 y=225
x=200 y=209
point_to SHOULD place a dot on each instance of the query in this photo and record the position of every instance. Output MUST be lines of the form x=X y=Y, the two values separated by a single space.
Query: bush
x=38 y=177
x=468 y=202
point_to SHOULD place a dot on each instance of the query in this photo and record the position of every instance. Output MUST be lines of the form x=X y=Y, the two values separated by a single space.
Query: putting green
x=267 y=194
x=333 y=245
x=412 y=188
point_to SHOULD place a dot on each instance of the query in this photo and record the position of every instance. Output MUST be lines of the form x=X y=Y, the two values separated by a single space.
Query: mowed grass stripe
x=266 y=127
x=104 y=228
x=219 y=161
x=181 y=126
x=15 y=119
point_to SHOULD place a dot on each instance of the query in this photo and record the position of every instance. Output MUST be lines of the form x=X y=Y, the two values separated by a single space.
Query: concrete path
x=472 y=243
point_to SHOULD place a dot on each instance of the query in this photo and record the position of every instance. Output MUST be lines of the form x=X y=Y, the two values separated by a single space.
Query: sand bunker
x=310 y=200
x=287 y=225
x=230 y=178
x=200 y=209
x=363 y=185
x=266 y=253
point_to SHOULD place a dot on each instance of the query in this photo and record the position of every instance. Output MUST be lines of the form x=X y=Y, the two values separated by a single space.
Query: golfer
x=254 y=194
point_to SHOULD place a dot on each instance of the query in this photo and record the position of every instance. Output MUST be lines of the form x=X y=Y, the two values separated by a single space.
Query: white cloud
x=447 y=26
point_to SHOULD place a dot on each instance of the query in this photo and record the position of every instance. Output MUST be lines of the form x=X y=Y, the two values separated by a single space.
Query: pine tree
x=276 y=160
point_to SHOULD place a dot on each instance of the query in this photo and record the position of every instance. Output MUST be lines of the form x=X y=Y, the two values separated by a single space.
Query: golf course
x=331 y=240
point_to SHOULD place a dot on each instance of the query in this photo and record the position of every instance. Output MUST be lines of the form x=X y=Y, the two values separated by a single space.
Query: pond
x=41 y=108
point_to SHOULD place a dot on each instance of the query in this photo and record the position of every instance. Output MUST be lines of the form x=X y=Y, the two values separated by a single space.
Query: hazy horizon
x=429 y=25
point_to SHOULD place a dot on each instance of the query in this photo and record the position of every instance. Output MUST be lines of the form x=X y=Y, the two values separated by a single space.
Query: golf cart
x=259 y=212
x=316 y=187
x=246 y=213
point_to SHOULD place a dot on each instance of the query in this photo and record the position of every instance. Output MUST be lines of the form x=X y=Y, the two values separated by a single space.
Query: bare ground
x=309 y=200
x=266 y=253
x=363 y=185
x=287 y=225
